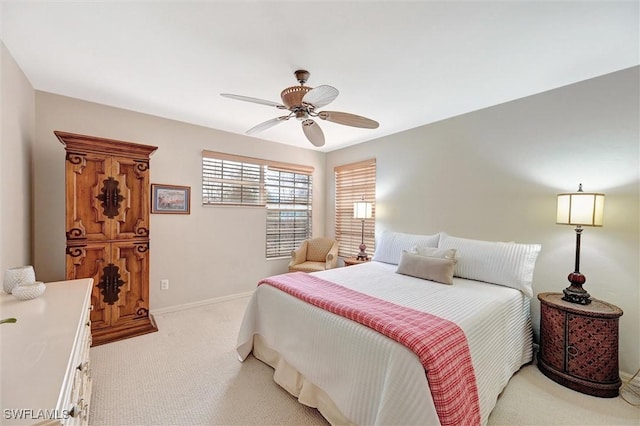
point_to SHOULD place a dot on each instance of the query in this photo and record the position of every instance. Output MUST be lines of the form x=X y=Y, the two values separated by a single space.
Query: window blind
x=231 y=182
x=289 y=202
x=354 y=182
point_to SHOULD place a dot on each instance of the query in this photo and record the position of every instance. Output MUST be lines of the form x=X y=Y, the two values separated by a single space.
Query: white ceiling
x=404 y=64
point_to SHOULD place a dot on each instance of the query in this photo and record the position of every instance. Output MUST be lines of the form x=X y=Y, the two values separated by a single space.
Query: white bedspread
x=372 y=379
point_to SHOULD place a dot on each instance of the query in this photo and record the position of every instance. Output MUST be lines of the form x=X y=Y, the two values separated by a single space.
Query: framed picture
x=170 y=199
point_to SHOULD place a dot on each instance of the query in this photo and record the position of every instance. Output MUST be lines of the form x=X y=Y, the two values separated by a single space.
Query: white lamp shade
x=580 y=208
x=362 y=210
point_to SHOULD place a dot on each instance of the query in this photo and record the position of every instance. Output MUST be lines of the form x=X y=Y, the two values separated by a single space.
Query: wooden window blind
x=355 y=182
x=284 y=189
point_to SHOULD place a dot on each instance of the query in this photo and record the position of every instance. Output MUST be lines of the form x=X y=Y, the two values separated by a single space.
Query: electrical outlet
x=164 y=284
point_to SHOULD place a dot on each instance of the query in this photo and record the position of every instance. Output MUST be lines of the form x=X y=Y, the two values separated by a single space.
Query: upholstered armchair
x=315 y=254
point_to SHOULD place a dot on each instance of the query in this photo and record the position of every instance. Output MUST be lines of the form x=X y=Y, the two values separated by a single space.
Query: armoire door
x=129 y=282
x=87 y=180
x=131 y=197
x=89 y=261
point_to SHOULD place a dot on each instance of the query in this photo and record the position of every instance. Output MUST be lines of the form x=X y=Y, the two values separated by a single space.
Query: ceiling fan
x=302 y=103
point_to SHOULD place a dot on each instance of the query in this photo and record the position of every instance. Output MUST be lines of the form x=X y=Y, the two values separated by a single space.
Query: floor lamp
x=580 y=209
x=362 y=211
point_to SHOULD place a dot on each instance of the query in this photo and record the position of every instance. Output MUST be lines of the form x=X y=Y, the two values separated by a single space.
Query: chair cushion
x=308 y=266
x=318 y=248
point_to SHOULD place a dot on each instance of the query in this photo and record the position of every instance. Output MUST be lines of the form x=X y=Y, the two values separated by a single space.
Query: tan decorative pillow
x=437 y=269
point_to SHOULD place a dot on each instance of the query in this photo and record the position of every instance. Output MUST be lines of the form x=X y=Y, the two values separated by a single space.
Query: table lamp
x=580 y=209
x=362 y=211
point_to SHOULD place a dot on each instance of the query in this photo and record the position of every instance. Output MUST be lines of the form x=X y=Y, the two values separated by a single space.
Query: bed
x=356 y=375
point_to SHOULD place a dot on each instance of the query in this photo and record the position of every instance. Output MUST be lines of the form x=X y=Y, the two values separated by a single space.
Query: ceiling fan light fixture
x=302 y=115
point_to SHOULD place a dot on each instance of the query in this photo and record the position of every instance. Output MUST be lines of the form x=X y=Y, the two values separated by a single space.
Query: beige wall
x=211 y=253
x=17 y=124
x=494 y=174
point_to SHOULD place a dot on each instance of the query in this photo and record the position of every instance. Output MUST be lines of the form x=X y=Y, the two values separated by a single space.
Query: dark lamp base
x=575 y=293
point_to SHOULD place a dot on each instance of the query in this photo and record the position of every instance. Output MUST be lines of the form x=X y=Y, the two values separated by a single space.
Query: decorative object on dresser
x=580 y=209
x=362 y=211
x=107 y=229
x=13 y=277
x=44 y=357
x=579 y=344
x=29 y=291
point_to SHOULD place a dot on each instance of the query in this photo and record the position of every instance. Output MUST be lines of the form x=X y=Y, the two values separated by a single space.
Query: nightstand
x=348 y=261
x=579 y=344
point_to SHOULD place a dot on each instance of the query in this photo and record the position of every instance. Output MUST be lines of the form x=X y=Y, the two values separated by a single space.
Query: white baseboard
x=184 y=306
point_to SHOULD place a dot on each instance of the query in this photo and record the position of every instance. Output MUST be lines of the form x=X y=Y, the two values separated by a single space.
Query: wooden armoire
x=107 y=231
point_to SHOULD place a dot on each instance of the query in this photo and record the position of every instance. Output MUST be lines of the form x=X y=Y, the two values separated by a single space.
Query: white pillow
x=508 y=264
x=390 y=245
x=433 y=252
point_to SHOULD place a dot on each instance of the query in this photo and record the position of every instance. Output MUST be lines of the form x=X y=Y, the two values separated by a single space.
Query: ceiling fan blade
x=348 y=119
x=254 y=100
x=267 y=124
x=313 y=132
x=320 y=96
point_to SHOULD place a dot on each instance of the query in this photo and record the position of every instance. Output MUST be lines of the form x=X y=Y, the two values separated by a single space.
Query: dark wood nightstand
x=579 y=344
x=348 y=261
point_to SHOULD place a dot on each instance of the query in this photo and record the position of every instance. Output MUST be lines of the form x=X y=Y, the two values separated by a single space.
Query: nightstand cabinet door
x=592 y=351
x=579 y=344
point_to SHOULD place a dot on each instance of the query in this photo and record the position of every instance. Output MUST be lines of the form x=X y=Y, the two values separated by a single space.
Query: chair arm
x=299 y=255
x=332 y=257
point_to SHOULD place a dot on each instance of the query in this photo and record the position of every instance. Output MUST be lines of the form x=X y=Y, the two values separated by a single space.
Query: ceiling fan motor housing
x=292 y=96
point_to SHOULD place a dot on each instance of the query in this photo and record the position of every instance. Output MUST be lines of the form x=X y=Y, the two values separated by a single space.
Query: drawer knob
x=571 y=350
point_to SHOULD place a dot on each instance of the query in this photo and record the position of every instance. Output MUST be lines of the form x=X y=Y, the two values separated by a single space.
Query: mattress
x=363 y=377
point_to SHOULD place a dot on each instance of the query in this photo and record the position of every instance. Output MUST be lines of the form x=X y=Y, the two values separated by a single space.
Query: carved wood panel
x=133 y=259
x=85 y=174
x=133 y=178
x=88 y=261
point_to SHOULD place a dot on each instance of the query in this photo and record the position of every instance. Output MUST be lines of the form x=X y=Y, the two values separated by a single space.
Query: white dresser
x=44 y=360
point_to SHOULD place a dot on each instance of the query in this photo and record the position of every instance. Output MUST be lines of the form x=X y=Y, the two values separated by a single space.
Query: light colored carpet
x=188 y=374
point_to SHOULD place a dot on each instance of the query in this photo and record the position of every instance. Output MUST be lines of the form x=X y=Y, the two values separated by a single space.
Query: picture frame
x=170 y=199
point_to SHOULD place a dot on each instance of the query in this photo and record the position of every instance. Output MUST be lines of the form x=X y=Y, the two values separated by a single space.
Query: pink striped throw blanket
x=440 y=344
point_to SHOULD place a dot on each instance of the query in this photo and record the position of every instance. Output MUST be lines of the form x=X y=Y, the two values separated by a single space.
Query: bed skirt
x=287 y=377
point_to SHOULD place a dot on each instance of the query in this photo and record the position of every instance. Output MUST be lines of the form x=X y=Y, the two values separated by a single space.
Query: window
x=288 y=210
x=355 y=182
x=285 y=190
